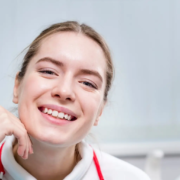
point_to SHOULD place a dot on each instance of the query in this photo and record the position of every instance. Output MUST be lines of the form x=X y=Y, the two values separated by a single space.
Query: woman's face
x=67 y=76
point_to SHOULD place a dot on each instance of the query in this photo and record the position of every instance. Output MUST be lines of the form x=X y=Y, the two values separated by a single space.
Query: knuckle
x=24 y=132
x=5 y=123
x=3 y=116
x=9 y=130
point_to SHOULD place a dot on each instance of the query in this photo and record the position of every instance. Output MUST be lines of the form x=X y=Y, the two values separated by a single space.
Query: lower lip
x=56 y=121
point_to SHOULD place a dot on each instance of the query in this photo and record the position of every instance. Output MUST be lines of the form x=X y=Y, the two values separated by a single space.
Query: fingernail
x=32 y=152
x=24 y=157
x=20 y=153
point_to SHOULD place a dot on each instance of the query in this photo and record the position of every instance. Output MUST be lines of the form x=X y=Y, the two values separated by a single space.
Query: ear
x=100 y=113
x=15 y=90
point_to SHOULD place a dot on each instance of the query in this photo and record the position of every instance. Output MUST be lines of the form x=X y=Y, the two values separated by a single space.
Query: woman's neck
x=48 y=162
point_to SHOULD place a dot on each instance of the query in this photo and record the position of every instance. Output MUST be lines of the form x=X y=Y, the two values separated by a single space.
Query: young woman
x=61 y=91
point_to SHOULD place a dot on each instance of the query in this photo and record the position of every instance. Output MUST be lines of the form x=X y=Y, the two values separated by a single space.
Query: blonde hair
x=72 y=26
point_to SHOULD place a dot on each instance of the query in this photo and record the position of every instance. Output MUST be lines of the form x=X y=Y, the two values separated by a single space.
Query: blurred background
x=141 y=122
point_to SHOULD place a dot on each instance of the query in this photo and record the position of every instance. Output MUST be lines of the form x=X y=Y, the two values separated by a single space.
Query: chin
x=50 y=139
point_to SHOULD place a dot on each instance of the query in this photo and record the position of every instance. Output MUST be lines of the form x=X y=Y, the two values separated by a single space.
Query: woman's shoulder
x=113 y=168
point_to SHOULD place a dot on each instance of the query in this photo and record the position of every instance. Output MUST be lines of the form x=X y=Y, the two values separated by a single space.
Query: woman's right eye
x=49 y=72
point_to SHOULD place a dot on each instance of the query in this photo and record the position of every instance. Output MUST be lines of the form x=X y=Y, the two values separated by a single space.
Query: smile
x=57 y=114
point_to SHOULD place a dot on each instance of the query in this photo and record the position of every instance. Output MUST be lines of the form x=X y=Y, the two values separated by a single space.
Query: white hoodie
x=111 y=167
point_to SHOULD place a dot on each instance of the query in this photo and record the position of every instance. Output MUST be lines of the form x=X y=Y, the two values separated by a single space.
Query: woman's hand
x=11 y=125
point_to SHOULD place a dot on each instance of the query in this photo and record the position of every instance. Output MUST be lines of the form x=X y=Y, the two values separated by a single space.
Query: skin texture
x=66 y=85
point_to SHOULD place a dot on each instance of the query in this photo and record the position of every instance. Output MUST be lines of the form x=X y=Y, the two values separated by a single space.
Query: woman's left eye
x=89 y=84
x=47 y=72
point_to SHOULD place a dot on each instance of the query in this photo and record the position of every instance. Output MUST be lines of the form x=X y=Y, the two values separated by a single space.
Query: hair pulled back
x=72 y=26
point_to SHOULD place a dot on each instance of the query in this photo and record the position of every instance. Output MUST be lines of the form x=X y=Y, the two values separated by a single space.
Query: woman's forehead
x=72 y=46
x=71 y=42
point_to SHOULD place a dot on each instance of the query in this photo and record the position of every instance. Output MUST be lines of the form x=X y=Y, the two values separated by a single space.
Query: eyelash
x=49 y=72
x=89 y=84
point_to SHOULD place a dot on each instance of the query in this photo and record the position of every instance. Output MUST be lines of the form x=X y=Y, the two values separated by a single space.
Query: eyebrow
x=47 y=59
x=91 y=72
x=60 y=64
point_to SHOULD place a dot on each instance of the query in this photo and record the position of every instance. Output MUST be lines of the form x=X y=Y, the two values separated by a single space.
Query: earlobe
x=98 y=118
x=15 y=90
x=96 y=122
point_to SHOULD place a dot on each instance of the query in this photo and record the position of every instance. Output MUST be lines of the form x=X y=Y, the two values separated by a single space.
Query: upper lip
x=59 y=109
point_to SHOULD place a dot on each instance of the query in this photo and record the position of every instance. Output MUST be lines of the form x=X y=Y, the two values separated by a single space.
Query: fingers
x=9 y=124
x=30 y=149
x=24 y=144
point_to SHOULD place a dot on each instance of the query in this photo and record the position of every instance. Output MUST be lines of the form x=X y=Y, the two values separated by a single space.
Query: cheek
x=90 y=105
x=32 y=88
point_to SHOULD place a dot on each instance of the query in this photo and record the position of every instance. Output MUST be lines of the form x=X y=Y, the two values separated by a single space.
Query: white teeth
x=49 y=111
x=66 y=116
x=45 y=110
x=61 y=115
x=55 y=113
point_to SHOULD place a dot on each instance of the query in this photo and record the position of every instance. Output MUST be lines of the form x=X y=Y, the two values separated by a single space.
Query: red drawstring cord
x=2 y=171
x=97 y=166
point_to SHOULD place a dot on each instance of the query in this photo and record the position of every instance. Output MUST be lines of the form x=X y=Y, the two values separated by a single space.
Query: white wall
x=144 y=39
x=170 y=166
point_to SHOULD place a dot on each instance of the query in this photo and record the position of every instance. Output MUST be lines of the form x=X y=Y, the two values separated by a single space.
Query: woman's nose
x=64 y=90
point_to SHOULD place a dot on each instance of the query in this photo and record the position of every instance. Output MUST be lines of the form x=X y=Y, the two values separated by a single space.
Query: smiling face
x=67 y=76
